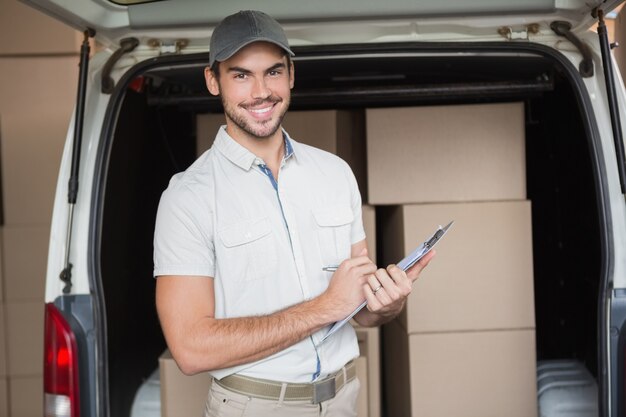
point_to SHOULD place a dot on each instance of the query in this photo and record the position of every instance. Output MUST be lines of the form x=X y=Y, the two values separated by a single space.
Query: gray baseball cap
x=241 y=29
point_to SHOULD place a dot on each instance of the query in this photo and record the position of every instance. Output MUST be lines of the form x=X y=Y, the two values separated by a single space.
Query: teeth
x=261 y=111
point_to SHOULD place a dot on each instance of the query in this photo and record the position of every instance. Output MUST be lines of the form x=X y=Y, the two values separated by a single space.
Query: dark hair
x=215 y=68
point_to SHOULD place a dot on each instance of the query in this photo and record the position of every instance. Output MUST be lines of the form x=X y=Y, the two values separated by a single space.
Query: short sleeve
x=357 y=232
x=183 y=237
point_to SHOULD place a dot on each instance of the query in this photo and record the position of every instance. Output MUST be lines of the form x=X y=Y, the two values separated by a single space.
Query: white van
x=137 y=127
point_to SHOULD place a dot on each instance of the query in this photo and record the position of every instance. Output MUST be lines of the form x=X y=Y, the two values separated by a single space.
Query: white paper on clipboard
x=410 y=260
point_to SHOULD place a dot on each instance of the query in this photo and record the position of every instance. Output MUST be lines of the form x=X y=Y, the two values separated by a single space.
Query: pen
x=330 y=268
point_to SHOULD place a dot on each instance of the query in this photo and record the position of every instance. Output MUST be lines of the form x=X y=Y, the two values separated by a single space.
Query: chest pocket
x=249 y=251
x=333 y=232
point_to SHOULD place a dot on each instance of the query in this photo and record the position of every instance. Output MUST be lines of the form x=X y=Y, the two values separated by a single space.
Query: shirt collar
x=241 y=156
x=289 y=152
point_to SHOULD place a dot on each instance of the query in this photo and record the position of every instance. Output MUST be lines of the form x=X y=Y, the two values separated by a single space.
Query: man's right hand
x=345 y=291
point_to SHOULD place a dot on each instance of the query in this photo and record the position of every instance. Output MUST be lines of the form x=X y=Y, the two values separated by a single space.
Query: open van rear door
x=113 y=21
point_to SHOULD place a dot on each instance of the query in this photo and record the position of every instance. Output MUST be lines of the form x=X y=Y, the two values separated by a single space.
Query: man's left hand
x=387 y=289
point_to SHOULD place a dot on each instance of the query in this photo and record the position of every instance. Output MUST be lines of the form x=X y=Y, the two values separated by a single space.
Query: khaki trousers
x=224 y=403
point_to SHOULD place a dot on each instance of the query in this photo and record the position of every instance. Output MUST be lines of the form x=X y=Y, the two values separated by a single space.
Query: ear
x=211 y=82
x=292 y=74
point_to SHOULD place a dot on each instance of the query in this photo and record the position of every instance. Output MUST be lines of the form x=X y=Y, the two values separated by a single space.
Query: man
x=242 y=238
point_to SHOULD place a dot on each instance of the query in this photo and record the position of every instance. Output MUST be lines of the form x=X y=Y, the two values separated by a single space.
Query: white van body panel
x=597 y=95
x=96 y=104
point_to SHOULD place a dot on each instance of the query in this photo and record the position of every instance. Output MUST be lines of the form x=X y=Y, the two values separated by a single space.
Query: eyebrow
x=278 y=65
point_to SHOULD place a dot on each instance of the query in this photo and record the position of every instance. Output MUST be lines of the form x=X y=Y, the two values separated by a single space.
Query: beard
x=258 y=130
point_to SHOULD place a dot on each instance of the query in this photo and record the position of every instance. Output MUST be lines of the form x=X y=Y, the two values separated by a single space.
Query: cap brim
x=227 y=53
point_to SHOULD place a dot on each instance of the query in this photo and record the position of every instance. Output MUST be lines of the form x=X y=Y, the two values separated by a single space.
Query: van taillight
x=60 y=366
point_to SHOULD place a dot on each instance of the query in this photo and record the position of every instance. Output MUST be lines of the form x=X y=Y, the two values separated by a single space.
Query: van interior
x=152 y=135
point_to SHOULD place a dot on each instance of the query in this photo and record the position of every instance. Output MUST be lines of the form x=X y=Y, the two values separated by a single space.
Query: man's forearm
x=221 y=343
x=200 y=342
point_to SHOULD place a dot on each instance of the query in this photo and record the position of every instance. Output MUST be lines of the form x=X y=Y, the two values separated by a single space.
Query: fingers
x=374 y=284
x=402 y=283
x=414 y=272
x=386 y=287
x=359 y=267
x=373 y=303
x=357 y=261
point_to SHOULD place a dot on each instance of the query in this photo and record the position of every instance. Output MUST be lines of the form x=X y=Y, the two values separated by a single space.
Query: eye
x=274 y=73
x=240 y=76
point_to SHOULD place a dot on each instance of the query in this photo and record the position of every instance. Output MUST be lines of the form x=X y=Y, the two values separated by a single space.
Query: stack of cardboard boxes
x=465 y=344
x=39 y=68
x=4 y=403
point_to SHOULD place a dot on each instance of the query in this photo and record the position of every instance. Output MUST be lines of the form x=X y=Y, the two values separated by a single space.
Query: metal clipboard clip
x=424 y=248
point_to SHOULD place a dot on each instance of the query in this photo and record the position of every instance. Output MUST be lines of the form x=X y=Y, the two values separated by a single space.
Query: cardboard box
x=207 y=126
x=2 y=283
x=361 y=373
x=181 y=395
x=446 y=153
x=25 y=250
x=369 y=224
x=29 y=193
x=369 y=346
x=482 y=275
x=32 y=32
x=464 y=374
x=39 y=88
x=4 y=398
x=38 y=96
x=340 y=132
x=26 y=396
x=3 y=342
x=25 y=337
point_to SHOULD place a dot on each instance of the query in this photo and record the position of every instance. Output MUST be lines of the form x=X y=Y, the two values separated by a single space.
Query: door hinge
x=522 y=33
x=168 y=46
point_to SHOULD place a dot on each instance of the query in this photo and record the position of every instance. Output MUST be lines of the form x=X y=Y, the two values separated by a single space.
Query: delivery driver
x=241 y=239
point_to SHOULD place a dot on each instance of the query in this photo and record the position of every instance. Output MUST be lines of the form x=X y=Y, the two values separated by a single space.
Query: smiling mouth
x=262 y=111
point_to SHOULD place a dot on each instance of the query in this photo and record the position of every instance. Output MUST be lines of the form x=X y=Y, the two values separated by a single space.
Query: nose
x=261 y=89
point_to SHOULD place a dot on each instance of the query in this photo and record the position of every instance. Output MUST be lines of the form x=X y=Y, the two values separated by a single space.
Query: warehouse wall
x=38 y=76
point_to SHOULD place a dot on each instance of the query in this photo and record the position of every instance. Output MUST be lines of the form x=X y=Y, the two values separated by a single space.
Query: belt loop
x=345 y=375
x=281 y=397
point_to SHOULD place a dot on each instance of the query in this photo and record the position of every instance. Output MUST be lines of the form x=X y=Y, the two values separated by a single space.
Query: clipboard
x=406 y=263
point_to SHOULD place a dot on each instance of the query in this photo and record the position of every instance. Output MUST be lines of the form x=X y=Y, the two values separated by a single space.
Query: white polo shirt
x=264 y=242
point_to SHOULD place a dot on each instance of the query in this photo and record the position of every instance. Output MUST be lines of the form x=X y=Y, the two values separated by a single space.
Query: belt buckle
x=323 y=390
